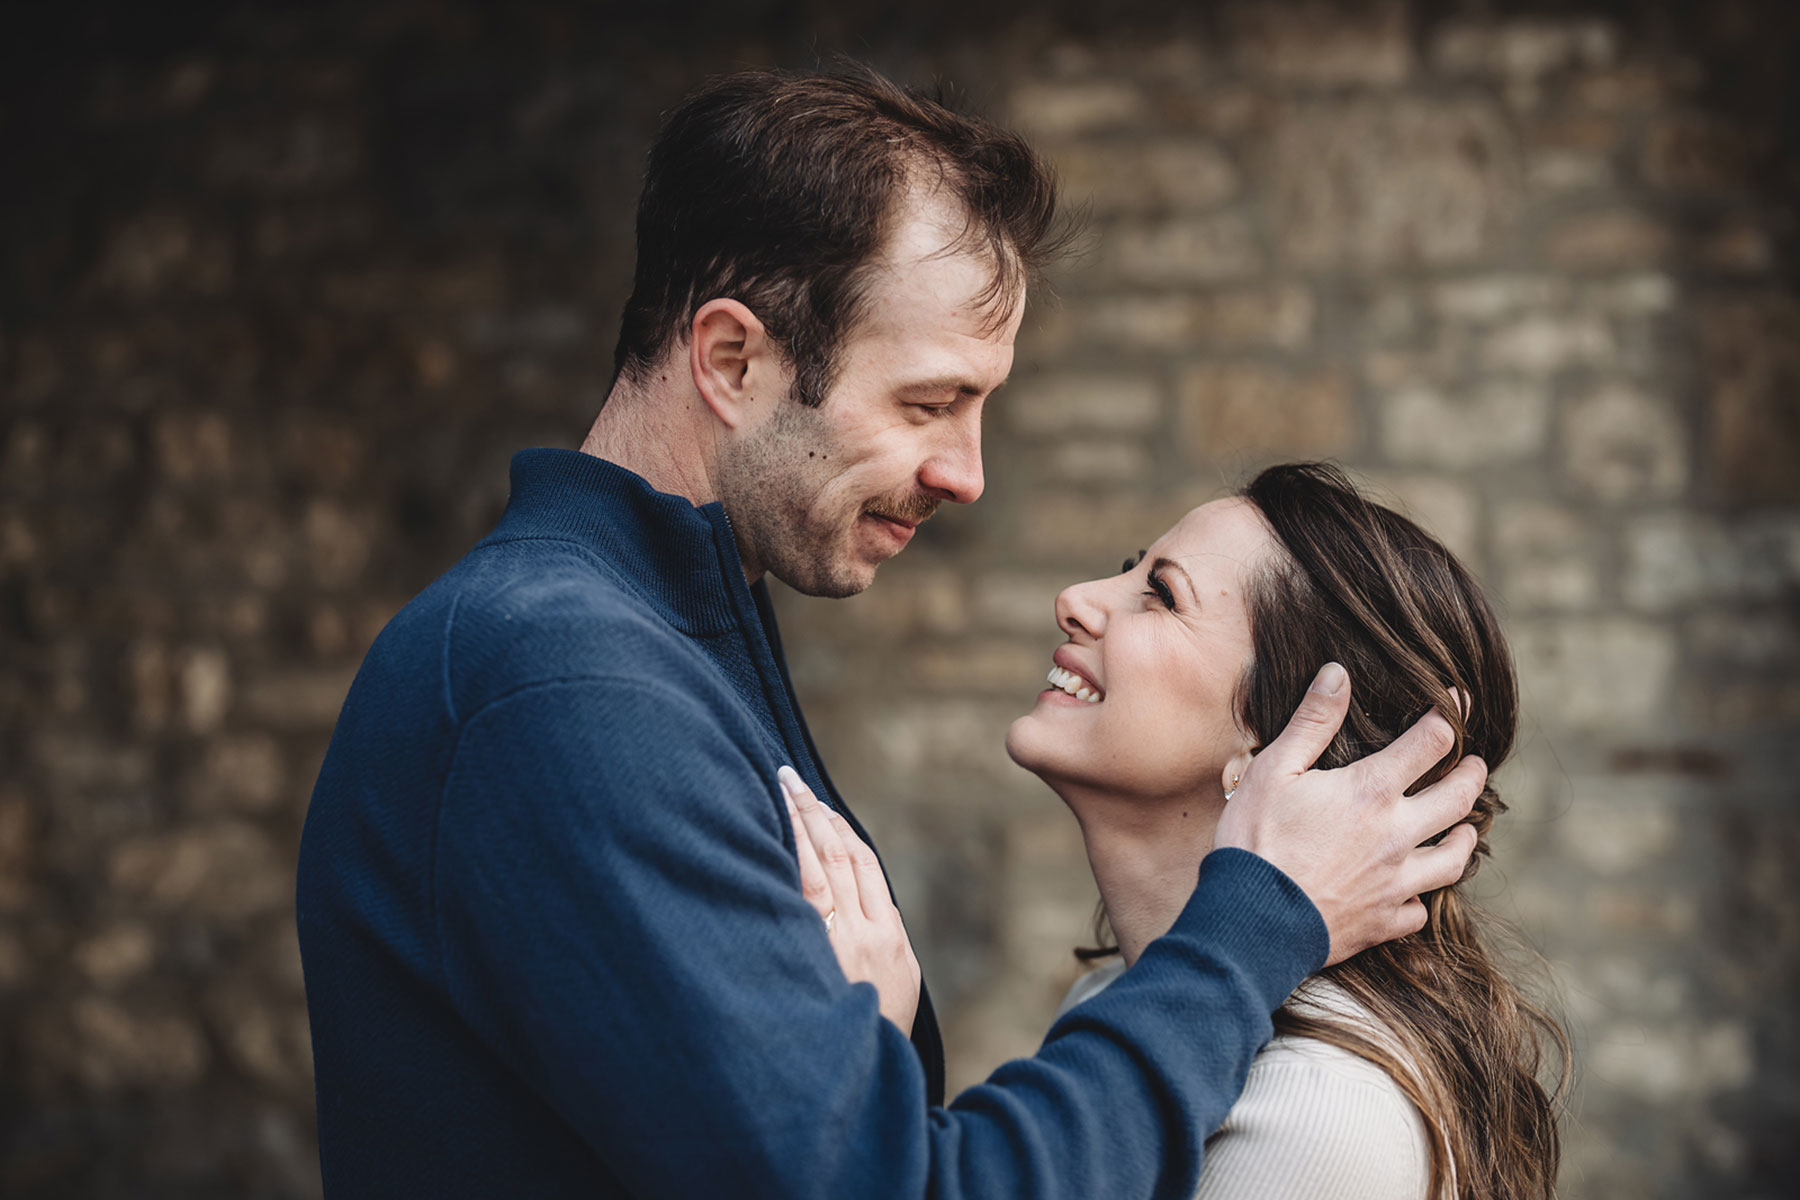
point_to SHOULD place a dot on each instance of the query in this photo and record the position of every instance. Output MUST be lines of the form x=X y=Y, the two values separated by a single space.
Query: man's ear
x=733 y=363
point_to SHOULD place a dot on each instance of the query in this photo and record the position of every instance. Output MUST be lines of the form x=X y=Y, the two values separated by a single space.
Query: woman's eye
x=1131 y=563
x=1160 y=590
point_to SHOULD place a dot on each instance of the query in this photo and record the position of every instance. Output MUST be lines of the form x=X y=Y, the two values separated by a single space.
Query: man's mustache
x=908 y=507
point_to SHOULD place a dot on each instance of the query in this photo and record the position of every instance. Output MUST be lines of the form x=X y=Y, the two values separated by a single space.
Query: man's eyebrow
x=946 y=383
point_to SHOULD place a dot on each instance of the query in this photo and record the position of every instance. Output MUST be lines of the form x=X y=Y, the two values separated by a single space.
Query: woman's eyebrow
x=1166 y=565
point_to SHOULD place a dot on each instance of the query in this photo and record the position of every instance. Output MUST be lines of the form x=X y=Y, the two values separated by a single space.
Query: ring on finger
x=829 y=918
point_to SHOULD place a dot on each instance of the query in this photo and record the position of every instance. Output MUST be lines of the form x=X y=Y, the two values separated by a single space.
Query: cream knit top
x=1314 y=1120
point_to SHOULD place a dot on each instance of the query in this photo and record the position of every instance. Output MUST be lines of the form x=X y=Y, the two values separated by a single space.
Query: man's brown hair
x=780 y=189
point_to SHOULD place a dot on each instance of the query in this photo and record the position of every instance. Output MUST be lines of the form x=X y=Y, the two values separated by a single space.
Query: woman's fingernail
x=791 y=783
x=1330 y=680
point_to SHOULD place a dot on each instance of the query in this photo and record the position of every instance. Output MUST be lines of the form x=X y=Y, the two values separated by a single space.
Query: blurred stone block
x=1158 y=177
x=1593 y=674
x=1623 y=444
x=1385 y=183
x=1055 y=109
x=1323 y=43
x=1060 y=404
x=1751 y=348
x=1490 y=421
x=1252 y=408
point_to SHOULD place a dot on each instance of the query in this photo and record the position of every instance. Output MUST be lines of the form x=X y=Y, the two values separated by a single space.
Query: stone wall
x=285 y=291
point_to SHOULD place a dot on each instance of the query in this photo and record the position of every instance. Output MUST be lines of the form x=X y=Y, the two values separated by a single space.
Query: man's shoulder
x=516 y=614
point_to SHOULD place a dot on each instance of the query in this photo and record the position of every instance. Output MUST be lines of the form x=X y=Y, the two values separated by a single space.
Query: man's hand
x=841 y=878
x=1351 y=837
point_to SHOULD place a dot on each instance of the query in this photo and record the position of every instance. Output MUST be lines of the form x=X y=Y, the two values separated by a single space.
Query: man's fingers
x=1429 y=868
x=1399 y=764
x=1445 y=802
x=1313 y=724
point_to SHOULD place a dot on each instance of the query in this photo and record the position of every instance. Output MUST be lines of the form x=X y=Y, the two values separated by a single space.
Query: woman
x=1409 y=1070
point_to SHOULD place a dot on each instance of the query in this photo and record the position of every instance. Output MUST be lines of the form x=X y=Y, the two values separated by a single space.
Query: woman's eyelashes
x=1159 y=589
x=1130 y=564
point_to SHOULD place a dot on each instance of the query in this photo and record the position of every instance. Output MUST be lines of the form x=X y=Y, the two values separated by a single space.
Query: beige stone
x=1676 y=559
x=908 y=599
x=298 y=699
x=115 y=1047
x=1248 y=318
x=204 y=675
x=1623 y=444
x=1682 y=1062
x=1695 y=153
x=1092 y=533
x=1522 y=47
x=18 y=843
x=1098 y=462
x=1590 y=674
x=948 y=735
x=116 y=954
x=1545 y=343
x=1751 y=347
x=244 y=772
x=1001 y=668
x=15 y=962
x=1568 y=153
x=1444 y=508
x=1017 y=601
x=1049 y=109
x=1547 y=555
x=1070 y=403
x=1486 y=422
x=1251 y=408
x=1323 y=44
x=1158 y=177
x=1208 y=249
x=1614 y=828
x=1486 y=298
x=1379 y=183
x=338 y=542
x=225 y=871
x=1608 y=240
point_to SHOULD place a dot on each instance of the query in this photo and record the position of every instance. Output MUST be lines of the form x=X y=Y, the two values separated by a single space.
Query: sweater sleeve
x=619 y=918
x=1316 y=1120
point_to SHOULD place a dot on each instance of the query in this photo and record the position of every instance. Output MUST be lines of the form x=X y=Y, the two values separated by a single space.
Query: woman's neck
x=1145 y=855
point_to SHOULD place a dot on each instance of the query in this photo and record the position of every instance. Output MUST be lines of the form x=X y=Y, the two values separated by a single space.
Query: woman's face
x=1162 y=646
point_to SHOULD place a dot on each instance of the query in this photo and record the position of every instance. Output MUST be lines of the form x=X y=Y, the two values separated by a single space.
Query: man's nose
x=954 y=469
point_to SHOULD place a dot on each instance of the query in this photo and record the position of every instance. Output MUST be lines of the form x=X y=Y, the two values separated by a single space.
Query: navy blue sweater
x=553 y=934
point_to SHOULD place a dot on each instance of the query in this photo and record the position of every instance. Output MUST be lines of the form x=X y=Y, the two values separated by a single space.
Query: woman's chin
x=1025 y=743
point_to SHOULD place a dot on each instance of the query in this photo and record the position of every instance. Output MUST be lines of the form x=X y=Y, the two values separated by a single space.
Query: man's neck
x=664 y=439
x=1145 y=855
x=670 y=441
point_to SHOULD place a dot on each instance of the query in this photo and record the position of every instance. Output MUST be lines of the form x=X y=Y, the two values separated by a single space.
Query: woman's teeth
x=1073 y=684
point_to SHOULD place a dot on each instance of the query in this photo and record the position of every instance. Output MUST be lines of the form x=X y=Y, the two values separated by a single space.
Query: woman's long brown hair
x=1364 y=586
x=1361 y=585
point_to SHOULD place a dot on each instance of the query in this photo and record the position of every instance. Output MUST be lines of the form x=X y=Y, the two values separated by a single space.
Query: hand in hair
x=1351 y=838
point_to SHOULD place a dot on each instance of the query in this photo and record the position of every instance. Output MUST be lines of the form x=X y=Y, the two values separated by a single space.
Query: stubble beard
x=770 y=485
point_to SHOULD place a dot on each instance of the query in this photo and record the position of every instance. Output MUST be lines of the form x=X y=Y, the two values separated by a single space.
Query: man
x=551 y=917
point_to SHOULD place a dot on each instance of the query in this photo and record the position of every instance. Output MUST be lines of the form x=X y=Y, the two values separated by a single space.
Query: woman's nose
x=1079 y=611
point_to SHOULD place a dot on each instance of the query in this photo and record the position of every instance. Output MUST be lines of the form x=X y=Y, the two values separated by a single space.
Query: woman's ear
x=732 y=361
